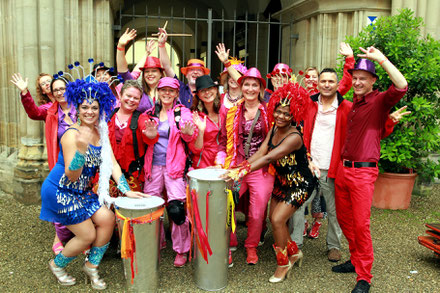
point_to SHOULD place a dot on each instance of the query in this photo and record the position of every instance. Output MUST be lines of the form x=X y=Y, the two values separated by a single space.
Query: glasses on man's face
x=44 y=83
x=61 y=90
x=279 y=113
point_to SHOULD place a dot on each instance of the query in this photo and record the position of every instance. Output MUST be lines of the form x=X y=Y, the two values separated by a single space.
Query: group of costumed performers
x=67 y=196
x=152 y=133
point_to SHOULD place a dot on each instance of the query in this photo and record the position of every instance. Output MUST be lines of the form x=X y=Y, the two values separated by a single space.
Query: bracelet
x=161 y=45
x=123 y=185
x=120 y=48
x=77 y=162
x=381 y=62
x=227 y=64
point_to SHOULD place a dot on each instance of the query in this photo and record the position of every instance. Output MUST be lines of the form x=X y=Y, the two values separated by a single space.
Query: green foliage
x=418 y=58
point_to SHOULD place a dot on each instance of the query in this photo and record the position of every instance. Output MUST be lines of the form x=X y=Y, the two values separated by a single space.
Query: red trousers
x=353 y=196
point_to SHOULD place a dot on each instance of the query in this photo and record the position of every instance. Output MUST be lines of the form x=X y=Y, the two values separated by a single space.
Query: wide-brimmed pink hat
x=152 y=62
x=253 y=72
x=194 y=63
x=280 y=68
x=169 y=82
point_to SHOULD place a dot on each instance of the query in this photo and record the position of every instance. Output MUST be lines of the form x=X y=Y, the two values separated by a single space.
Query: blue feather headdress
x=87 y=87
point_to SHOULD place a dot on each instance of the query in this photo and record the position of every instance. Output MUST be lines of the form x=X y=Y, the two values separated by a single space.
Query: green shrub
x=418 y=58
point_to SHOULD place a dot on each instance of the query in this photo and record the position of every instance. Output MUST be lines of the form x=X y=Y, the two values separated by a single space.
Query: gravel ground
x=401 y=264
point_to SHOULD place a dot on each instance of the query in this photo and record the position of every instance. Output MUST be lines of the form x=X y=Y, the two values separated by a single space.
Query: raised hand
x=136 y=194
x=163 y=36
x=126 y=37
x=21 y=84
x=397 y=115
x=372 y=54
x=150 y=129
x=222 y=53
x=150 y=46
x=345 y=49
x=188 y=128
x=201 y=124
x=84 y=138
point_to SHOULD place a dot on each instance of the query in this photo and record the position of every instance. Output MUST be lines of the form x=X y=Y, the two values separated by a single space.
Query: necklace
x=233 y=100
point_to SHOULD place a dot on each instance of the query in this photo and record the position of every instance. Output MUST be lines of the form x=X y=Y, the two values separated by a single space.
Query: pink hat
x=280 y=68
x=168 y=82
x=152 y=62
x=253 y=72
x=239 y=67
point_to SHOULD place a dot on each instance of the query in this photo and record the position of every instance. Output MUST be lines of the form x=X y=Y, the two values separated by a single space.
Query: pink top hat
x=253 y=72
x=280 y=68
x=168 y=82
x=152 y=62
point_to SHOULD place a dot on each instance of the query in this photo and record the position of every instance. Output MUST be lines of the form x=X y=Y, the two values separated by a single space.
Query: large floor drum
x=147 y=242
x=213 y=275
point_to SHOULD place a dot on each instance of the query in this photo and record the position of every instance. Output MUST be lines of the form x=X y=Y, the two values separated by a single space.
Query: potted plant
x=406 y=150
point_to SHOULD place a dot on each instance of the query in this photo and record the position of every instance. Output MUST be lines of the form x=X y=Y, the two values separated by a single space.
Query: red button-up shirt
x=366 y=124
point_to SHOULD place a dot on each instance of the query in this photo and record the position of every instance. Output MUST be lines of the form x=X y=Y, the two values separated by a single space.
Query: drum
x=139 y=222
x=208 y=190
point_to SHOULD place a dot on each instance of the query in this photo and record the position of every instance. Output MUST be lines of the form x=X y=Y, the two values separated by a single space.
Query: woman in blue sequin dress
x=67 y=196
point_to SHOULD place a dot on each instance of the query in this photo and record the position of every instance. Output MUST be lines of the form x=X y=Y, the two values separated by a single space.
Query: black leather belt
x=352 y=164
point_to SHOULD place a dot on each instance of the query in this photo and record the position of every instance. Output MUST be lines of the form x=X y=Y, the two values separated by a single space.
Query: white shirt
x=323 y=135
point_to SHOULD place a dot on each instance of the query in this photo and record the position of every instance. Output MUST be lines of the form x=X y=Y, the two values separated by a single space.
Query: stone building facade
x=46 y=35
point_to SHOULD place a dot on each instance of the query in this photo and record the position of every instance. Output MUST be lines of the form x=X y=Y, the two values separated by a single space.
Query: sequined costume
x=294 y=181
x=67 y=202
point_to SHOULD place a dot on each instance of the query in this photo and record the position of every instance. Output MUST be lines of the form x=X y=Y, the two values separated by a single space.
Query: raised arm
x=223 y=55
x=32 y=110
x=121 y=61
x=149 y=48
x=395 y=75
x=346 y=80
x=163 y=54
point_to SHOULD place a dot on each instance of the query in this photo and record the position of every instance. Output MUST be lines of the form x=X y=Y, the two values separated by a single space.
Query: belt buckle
x=350 y=164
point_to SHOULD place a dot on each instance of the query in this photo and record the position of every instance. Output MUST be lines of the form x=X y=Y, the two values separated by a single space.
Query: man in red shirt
x=361 y=151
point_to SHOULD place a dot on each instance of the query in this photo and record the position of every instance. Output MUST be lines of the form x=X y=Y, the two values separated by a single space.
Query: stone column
x=27 y=172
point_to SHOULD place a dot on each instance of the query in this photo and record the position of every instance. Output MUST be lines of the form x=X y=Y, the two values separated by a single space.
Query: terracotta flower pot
x=393 y=191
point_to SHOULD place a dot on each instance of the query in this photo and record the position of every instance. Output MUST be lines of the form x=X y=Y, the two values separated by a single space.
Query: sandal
x=57 y=247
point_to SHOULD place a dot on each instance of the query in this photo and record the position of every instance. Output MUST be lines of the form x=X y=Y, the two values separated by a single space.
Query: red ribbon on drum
x=197 y=232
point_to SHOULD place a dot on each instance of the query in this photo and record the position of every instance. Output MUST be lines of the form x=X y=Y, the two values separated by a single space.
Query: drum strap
x=247 y=144
x=128 y=242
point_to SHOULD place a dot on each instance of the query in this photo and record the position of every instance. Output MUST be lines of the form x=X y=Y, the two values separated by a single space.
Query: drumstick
x=174 y=35
x=165 y=25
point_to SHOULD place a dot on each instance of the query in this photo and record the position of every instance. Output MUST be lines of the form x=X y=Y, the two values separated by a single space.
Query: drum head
x=207 y=174
x=139 y=203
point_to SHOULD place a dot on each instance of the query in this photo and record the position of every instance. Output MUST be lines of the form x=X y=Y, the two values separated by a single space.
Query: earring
x=78 y=121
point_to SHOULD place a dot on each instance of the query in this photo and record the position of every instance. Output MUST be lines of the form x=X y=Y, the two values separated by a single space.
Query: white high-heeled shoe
x=297 y=258
x=62 y=277
x=274 y=279
x=95 y=281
